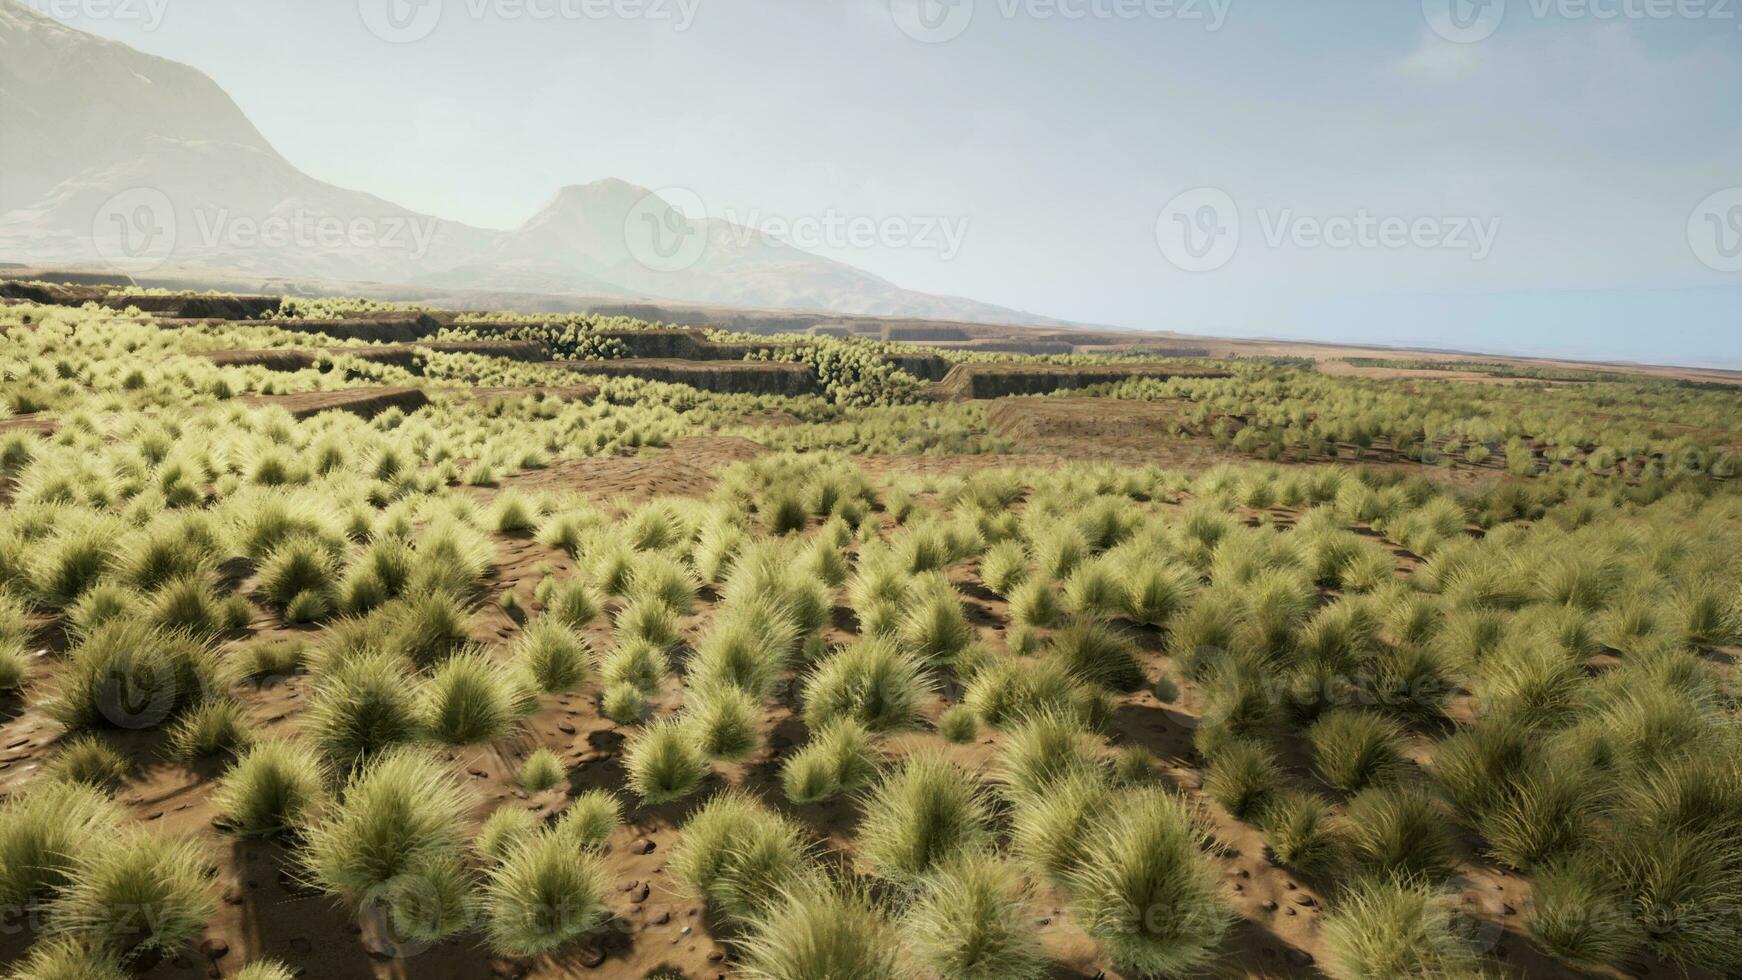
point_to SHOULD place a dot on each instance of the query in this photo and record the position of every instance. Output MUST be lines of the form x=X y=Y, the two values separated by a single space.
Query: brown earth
x=362 y=402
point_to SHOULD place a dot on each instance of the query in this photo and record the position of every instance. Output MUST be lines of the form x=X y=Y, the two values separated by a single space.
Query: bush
x=972 y=920
x=747 y=646
x=543 y=895
x=1035 y=603
x=572 y=603
x=552 y=656
x=838 y=758
x=1400 y=832
x=1147 y=858
x=541 y=771
x=623 y=703
x=817 y=929
x=737 y=855
x=1353 y=749
x=361 y=707
x=1544 y=813
x=467 y=701
x=1156 y=592
x=1243 y=777
x=647 y=620
x=1386 y=929
x=918 y=815
x=1004 y=567
x=270 y=789
x=1095 y=589
x=217 y=727
x=1007 y=690
x=664 y=763
x=871 y=682
x=125 y=872
x=300 y=565
x=429 y=627
x=934 y=629
x=635 y=662
x=1297 y=830
x=90 y=761
x=44 y=828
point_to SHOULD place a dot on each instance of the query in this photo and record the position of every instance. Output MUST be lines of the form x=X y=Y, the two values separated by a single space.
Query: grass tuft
x=920 y=814
x=972 y=920
x=664 y=763
x=270 y=789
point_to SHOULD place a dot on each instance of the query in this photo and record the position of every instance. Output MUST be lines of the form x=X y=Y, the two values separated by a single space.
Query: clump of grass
x=1099 y=655
x=217 y=727
x=920 y=814
x=737 y=855
x=934 y=629
x=1396 y=831
x=361 y=707
x=90 y=761
x=1243 y=776
x=748 y=646
x=589 y=820
x=1579 y=915
x=130 y=870
x=188 y=605
x=273 y=658
x=541 y=770
x=570 y=602
x=1053 y=831
x=722 y=719
x=543 y=895
x=429 y=627
x=1042 y=749
x=1004 y=567
x=664 y=763
x=1297 y=830
x=512 y=513
x=396 y=835
x=1007 y=690
x=1156 y=591
x=972 y=920
x=623 y=703
x=101 y=604
x=67 y=958
x=1474 y=766
x=1095 y=588
x=1353 y=749
x=43 y=830
x=14 y=664
x=301 y=570
x=270 y=789
x=1035 y=603
x=553 y=656
x=1545 y=812
x=838 y=758
x=467 y=701
x=266 y=970
x=505 y=828
x=958 y=725
x=815 y=928
x=872 y=682
x=1147 y=856
x=129 y=674
x=647 y=620
x=1133 y=766
x=1385 y=928
x=635 y=662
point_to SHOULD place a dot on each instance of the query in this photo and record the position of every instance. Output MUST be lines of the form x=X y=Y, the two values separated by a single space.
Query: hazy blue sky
x=1556 y=178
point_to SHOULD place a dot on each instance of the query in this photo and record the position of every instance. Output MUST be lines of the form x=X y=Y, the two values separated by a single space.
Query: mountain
x=119 y=158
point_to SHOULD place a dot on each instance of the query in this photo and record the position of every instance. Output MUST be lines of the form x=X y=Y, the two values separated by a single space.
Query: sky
x=1517 y=176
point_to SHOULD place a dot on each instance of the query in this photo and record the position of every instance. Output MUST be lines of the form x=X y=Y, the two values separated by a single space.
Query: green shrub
x=128 y=674
x=723 y=721
x=66 y=958
x=934 y=629
x=1004 y=567
x=958 y=725
x=623 y=703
